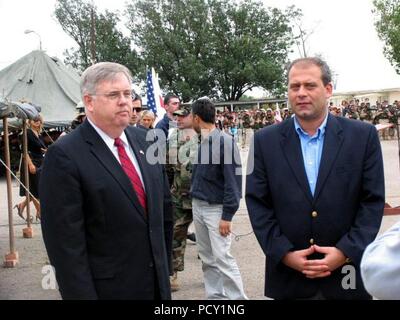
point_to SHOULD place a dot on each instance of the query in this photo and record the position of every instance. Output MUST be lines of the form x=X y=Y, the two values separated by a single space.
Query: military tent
x=43 y=81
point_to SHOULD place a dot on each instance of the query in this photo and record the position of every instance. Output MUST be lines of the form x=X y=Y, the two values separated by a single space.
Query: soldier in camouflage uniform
x=270 y=118
x=182 y=150
x=285 y=114
x=363 y=112
x=392 y=117
x=370 y=114
x=255 y=123
x=352 y=113
x=246 y=119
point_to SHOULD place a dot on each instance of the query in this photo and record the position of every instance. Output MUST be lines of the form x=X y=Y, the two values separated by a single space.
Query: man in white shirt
x=380 y=265
x=106 y=212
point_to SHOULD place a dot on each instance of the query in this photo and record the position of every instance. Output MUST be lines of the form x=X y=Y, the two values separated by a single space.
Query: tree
x=212 y=47
x=109 y=44
x=173 y=36
x=387 y=13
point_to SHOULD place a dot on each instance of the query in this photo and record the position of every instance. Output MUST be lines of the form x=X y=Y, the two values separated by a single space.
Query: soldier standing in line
x=182 y=150
x=363 y=112
x=246 y=127
x=246 y=120
x=392 y=117
x=370 y=114
x=286 y=114
x=352 y=113
x=270 y=119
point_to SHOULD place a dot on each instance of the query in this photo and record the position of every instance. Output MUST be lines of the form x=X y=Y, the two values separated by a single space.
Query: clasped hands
x=313 y=269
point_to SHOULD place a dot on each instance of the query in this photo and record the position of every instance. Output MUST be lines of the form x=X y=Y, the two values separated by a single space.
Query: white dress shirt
x=110 y=144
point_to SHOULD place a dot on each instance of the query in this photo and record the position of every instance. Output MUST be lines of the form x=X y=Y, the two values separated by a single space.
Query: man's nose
x=301 y=90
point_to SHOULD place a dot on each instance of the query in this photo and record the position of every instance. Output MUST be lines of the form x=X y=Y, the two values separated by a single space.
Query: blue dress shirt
x=311 y=148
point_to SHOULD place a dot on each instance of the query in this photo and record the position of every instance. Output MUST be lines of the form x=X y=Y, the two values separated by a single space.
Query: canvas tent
x=43 y=81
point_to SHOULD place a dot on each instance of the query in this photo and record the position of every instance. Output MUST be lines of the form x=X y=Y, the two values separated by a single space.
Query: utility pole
x=92 y=35
x=398 y=131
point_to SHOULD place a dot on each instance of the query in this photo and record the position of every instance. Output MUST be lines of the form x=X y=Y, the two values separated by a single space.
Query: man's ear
x=88 y=102
x=329 y=90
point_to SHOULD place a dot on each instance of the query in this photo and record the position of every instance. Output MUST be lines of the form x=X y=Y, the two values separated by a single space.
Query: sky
x=344 y=34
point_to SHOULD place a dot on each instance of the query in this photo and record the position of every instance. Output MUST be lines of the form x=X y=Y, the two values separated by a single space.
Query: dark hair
x=325 y=70
x=168 y=97
x=205 y=109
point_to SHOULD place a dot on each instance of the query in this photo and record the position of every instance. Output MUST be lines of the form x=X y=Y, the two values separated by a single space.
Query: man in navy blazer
x=104 y=242
x=316 y=194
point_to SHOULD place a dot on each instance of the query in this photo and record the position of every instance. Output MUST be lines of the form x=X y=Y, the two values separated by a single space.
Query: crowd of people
x=115 y=222
x=364 y=111
x=236 y=122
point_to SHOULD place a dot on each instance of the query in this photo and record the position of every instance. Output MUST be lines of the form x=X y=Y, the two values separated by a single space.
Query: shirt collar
x=320 y=131
x=214 y=132
x=106 y=138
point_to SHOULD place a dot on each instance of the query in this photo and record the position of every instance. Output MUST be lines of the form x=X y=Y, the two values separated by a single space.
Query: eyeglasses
x=115 y=95
x=137 y=109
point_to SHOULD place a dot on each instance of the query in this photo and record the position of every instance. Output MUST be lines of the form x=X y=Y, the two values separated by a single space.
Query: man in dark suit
x=315 y=195
x=106 y=212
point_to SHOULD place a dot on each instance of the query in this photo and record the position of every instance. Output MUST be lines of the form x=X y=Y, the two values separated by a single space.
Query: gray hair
x=101 y=71
x=325 y=70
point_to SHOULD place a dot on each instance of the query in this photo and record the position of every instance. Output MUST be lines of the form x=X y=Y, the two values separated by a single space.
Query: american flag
x=154 y=96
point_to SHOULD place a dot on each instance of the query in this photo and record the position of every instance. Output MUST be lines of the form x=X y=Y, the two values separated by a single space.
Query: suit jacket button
x=151 y=265
x=312 y=241
x=314 y=214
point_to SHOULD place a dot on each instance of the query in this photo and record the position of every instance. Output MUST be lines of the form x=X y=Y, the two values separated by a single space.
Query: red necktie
x=131 y=172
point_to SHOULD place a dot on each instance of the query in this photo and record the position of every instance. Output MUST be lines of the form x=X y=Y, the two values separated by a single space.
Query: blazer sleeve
x=372 y=202
x=380 y=265
x=168 y=221
x=63 y=225
x=232 y=172
x=260 y=207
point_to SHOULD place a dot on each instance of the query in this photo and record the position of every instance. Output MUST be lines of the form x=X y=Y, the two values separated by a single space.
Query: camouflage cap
x=183 y=111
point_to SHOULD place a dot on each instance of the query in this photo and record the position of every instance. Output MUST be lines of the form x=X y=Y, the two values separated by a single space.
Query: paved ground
x=25 y=281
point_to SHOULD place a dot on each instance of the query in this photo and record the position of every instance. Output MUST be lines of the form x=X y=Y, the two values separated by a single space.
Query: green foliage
x=216 y=48
x=387 y=24
x=74 y=17
x=174 y=38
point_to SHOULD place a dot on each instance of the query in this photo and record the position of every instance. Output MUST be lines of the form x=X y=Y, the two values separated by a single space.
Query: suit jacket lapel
x=291 y=146
x=332 y=144
x=111 y=164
